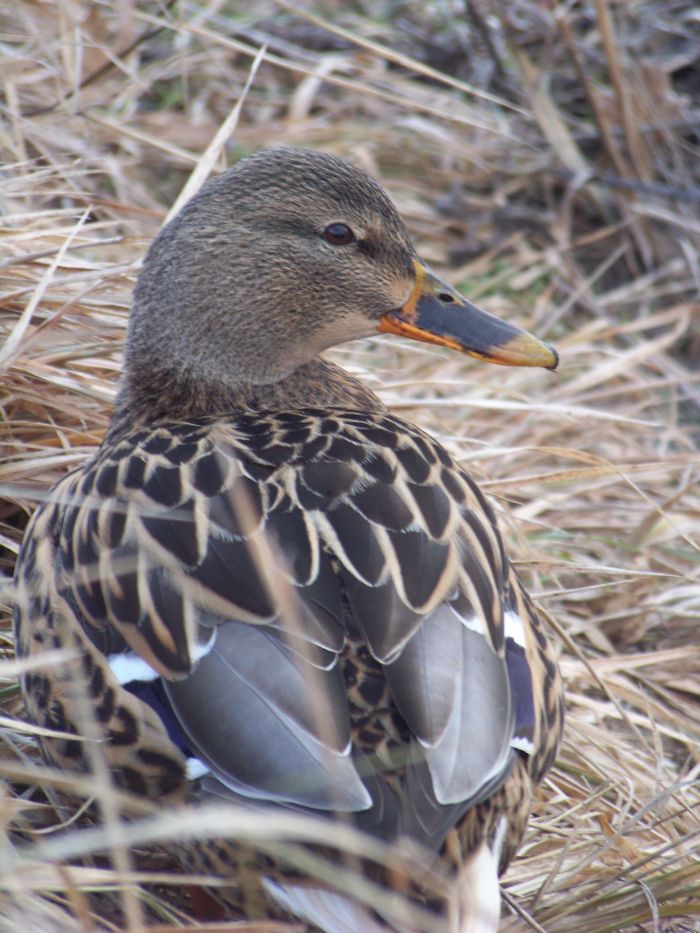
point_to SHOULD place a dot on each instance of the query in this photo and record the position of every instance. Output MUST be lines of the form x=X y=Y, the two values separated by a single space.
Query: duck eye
x=338 y=235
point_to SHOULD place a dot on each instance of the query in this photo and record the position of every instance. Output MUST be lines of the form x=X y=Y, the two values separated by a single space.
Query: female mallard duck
x=280 y=592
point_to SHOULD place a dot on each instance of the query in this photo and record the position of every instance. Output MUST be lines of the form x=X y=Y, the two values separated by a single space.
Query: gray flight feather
x=453 y=691
x=268 y=723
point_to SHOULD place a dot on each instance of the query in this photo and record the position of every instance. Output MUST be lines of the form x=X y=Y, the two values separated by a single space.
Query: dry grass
x=563 y=195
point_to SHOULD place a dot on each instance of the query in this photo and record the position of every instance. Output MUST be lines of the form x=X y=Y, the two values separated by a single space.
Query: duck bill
x=436 y=313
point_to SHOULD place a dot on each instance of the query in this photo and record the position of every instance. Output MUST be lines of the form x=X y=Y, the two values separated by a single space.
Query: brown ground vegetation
x=546 y=159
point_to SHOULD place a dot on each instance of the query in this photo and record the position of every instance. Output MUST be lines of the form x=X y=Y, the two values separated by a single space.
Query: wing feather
x=270 y=730
x=265 y=542
x=453 y=690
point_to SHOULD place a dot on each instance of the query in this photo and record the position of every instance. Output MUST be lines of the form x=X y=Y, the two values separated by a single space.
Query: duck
x=274 y=592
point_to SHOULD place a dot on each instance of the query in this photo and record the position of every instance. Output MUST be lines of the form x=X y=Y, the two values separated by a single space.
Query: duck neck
x=150 y=395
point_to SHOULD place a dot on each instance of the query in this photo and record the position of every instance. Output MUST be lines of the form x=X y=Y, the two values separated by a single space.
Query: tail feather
x=330 y=911
x=477 y=907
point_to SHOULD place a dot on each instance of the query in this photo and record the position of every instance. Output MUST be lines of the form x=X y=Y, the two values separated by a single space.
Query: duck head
x=286 y=254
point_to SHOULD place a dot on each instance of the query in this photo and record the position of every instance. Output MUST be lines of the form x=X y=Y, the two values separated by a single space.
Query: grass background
x=545 y=157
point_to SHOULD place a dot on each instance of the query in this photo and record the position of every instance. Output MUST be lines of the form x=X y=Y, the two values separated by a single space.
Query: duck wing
x=239 y=558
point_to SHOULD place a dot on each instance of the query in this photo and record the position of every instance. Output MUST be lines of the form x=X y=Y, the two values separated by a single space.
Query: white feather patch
x=522 y=744
x=129 y=666
x=478 y=892
x=195 y=768
x=200 y=650
x=514 y=628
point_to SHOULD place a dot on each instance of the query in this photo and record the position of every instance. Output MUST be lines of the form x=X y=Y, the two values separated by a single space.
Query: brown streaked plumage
x=275 y=587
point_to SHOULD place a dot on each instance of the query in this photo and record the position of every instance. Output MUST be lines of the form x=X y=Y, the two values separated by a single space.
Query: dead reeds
x=546 y=160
